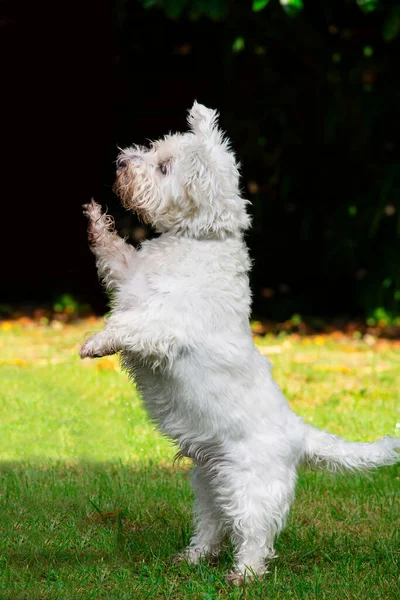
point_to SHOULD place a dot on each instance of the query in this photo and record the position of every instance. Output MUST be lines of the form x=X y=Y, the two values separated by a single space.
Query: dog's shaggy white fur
x=181 y=320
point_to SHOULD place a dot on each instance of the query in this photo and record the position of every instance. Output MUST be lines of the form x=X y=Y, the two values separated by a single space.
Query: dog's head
x=185 y=183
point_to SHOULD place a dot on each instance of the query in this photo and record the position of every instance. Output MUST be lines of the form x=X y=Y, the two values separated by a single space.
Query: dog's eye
x=163 y=167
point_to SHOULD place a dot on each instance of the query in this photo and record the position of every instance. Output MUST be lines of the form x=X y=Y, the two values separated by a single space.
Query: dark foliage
x=311 y=101
x=307 y=90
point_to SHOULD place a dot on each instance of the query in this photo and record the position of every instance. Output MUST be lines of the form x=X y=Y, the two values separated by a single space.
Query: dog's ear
x=204 y=156
x=211 y=177
x=203 y=122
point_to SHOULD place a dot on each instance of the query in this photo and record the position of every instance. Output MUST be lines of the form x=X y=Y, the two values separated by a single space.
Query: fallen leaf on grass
x=385 y=345
x=369 y=339
x=107 y=515
x=335 y=334
x=107 y=364
x=376 y=369
x=353 y=349
x=304 y=359
x=94 y=320
x=14 y=361
x=332 y=368
x=258 y=328
x=24 y=322
x=57 y=325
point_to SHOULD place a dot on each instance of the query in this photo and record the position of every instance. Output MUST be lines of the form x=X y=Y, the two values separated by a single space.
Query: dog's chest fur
x=201 y=279
x=209 y=395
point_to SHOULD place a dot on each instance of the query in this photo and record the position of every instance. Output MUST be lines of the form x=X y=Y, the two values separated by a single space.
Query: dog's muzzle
x=125 y=161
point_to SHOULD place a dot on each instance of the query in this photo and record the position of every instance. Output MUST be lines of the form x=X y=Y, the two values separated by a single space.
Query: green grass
x=91 y=506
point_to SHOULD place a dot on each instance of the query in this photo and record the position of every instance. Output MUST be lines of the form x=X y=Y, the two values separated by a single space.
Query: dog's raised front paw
x=100 y=344
x=90 y=349
x=92 y=210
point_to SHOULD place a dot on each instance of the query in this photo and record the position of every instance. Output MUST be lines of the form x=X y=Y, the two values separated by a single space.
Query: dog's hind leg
x=113 y=255
x=209 y=530
x=256 y=503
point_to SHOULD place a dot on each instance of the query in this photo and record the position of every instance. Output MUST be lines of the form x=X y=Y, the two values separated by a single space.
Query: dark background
x=311 y=101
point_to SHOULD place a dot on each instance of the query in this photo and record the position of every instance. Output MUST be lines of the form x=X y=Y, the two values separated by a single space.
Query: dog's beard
x=138 y=191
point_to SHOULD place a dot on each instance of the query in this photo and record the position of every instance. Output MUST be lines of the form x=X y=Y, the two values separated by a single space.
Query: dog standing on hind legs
x=180 y=319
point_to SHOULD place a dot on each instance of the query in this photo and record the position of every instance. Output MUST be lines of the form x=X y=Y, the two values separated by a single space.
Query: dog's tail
x=330 y=452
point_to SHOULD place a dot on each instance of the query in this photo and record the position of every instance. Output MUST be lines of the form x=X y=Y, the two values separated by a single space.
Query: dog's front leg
x=114 y=256
x=153 y=338
x=103 y=343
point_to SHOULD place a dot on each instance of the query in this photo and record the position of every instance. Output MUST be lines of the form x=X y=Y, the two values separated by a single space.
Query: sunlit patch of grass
x=92 y=507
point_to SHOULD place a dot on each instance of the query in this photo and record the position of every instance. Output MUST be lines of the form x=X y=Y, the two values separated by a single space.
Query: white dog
x=180 y=317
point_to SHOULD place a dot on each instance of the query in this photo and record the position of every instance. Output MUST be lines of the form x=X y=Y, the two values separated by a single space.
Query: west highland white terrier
x=180 y=318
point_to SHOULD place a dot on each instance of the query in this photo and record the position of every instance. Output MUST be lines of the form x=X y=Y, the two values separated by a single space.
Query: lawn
x=92 y=507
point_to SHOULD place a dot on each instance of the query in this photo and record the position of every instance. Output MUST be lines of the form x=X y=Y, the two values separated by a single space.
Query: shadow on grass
x=95 y=523
x=88 y=509
x=84 y=512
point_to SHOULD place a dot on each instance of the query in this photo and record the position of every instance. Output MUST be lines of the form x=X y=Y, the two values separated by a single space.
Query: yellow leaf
x=351 y=349
x=106 y=364
x=14 y=361
x=258 y=328
x=6 y=326
x=25 y=321
x=332 y=368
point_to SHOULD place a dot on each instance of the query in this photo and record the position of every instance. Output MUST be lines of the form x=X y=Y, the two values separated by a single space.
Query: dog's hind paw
x=190 y=555
x=237 y=578
x=240 y=576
